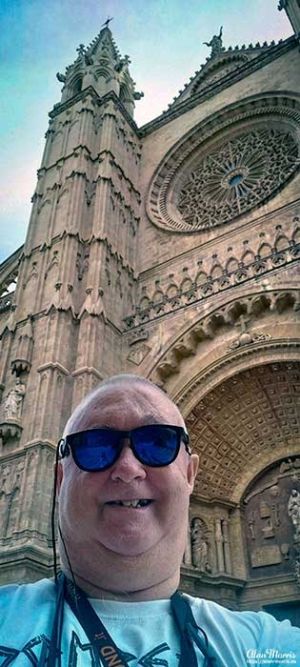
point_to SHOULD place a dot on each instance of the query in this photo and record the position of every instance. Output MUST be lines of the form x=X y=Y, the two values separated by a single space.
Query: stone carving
x=138 y=336
x=93 y=304
x=62 y=298
x=241 y=173
x=22 y=362
x=246 y=337
x=89 y=191
x=138 y=353
x=13 y=403
x=293 y=509
x=52 y=263
x=11 y=476
x=200 y=285
x=82 y=262
x=216 y=44
x=266 y=514
x=199 y=545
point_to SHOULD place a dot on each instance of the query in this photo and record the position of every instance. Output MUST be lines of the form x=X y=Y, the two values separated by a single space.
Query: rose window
x=239 y=175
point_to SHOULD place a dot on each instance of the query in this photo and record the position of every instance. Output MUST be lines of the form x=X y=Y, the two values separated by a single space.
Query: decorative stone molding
x=191 y=288
x=22 y=362
x=10 y=430
x=93 y=304
x=228 y=316
x=271 y=120
x=138 y=353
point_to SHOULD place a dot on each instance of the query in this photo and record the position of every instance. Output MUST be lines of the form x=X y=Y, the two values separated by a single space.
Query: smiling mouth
x=136 y=504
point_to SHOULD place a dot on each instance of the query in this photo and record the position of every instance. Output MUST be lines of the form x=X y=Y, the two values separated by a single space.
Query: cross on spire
x=107 y=22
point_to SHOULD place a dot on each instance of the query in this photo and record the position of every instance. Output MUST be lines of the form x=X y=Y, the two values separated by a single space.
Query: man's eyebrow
x=150 y=419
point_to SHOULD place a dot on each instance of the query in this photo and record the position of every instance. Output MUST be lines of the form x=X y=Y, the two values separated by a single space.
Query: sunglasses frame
x=67 y=445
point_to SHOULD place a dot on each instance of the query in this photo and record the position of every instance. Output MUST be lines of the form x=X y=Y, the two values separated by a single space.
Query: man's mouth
x=136 y=504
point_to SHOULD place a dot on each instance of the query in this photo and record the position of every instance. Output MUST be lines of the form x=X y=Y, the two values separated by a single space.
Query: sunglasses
x=154 y=445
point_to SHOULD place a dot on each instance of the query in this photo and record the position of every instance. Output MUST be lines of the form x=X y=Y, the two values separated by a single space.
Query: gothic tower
x=76 y=282
x=172 y=251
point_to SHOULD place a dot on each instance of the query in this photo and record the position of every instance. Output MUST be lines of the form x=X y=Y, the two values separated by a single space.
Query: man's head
x=111 y=546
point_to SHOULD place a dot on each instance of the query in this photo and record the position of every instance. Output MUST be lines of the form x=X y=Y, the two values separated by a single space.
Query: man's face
x=96 y=526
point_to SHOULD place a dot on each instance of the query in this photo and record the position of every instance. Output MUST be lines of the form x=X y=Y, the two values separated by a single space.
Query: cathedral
x=171 y=251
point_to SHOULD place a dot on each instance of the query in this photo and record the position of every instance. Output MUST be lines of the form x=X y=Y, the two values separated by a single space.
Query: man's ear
x=192 y=469
x=59 y=477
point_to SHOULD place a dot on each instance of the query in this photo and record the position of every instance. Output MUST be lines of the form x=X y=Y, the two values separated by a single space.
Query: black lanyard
x=102 y=642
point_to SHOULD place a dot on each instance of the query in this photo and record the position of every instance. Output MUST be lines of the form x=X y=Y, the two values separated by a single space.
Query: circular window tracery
x=237 y=176
x=227 y=165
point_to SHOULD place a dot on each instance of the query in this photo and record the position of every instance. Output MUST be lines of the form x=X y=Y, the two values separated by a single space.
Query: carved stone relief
x=13 y=402
x=200 y=545
x=11 y=475
x=272 y=520
x=138 y=353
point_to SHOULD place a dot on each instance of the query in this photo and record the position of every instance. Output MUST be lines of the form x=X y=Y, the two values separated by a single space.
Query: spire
x=101 y=66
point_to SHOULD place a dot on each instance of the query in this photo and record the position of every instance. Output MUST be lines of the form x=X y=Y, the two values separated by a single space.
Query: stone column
x=227 y=555
x=219 y=544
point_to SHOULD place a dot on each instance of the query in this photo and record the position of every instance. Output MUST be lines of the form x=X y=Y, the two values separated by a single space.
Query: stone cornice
x=217 y=87
x=197 y=294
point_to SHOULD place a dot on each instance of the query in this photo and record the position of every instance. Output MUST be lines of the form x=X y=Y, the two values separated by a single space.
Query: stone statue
x=13 y=403
x=216 y=44
x=199 y=546
x=294 y=512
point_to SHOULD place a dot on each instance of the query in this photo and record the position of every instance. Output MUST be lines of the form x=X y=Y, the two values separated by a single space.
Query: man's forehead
x=113 y=400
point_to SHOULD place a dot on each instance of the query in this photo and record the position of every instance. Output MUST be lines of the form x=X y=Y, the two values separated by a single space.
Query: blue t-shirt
x=145 y=632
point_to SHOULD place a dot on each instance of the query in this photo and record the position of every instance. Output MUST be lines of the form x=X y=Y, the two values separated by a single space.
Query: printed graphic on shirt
x=36 y=650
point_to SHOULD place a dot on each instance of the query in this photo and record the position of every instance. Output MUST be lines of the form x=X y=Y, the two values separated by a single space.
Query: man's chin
x=128 y=549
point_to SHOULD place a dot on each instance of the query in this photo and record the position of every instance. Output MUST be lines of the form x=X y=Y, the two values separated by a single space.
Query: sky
x=164 y=39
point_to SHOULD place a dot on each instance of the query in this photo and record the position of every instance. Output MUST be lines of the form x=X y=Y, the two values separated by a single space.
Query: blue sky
x=164 y=39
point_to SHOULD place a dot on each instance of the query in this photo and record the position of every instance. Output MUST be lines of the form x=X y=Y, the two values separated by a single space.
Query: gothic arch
x=244 y=424
x=221 y=335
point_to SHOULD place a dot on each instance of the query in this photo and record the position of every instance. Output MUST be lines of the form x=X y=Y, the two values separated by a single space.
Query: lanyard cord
x=100 y=638
x=190 y=633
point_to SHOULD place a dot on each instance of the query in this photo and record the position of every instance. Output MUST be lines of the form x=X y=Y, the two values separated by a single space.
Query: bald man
x=124 y=479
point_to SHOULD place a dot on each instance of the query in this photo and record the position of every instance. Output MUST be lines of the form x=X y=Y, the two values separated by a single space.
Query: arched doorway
x=246 y=431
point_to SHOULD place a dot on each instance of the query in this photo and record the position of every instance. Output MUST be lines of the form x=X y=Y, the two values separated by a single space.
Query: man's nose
x=127 y=467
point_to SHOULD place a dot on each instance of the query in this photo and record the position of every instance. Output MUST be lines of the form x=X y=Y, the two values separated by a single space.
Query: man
x=123 y=511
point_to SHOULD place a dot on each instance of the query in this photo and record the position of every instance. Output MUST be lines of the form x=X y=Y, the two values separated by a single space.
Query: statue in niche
x=199 y=546
x=251 y=525
x=215 y=43
x=294 y=512
x=13 y=403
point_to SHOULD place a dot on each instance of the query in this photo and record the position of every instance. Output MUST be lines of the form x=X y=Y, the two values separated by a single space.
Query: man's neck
x=158 y=591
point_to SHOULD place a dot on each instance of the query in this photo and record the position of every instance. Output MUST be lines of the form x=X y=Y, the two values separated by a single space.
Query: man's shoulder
x=39 y=592
x=256 y=621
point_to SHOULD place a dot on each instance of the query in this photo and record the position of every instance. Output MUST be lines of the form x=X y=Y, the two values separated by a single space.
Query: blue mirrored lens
x=96 y=450
x=155 y=445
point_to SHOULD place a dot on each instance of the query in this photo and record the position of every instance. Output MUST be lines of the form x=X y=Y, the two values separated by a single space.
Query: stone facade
x=171 y=251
